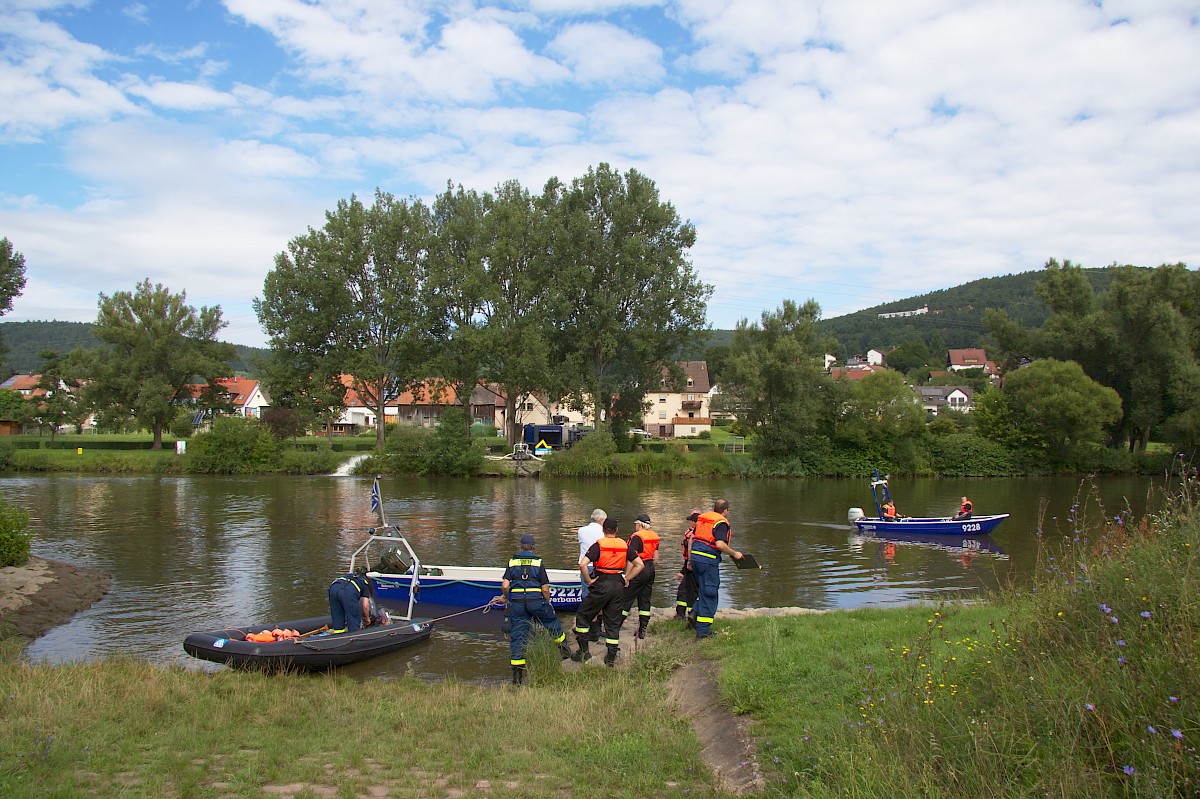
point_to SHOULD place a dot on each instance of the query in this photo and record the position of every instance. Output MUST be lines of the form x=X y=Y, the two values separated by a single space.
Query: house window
x=691 y=397
x=689 y=385
x=529 y=406
x=662 y=398
x=662 y=414
x=692 y=415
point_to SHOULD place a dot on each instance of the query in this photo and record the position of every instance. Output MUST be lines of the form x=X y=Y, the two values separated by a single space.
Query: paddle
x=313 y=632
x=747 y=562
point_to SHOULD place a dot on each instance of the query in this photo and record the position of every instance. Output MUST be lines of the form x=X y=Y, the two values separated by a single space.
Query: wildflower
x=1105 y=608
x=1090 y=706
x=1150 y=729
x=1121 y=660
x=1177 y=733
x=1114 y=619
x=1172 y=699
x=1120 y=642
x=1145 y=614
x=1129 y=770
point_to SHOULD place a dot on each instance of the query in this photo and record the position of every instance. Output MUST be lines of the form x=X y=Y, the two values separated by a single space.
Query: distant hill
x=25 y=340
x=955 y=317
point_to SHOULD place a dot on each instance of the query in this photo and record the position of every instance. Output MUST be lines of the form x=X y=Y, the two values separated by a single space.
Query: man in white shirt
x=588 y=535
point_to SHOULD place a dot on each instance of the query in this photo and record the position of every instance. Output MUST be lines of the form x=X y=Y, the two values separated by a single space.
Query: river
x=200 y=553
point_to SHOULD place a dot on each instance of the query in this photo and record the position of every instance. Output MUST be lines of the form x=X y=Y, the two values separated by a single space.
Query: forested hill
x=25 y=340
x=955 y=317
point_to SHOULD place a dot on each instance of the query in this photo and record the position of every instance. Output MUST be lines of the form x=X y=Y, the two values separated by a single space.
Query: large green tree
x=154 y=346
x=12 y=280
x=1139 y=338
x=518 y=305
x=626 y=296
x=356 y=295
x=880 y=409
x=776 y=382
x=1056 y=403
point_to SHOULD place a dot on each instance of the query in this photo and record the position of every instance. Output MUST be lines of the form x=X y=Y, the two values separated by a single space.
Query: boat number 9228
x=972 y=527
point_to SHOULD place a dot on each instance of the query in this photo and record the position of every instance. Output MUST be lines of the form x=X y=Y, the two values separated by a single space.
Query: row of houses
x=675 y=411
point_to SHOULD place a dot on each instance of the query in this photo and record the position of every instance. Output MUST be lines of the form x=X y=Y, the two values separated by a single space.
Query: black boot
x=610 y=657
x=564 y=651
x=641 y=633
x=518 y=675
x=582 y=655
x=680 y=613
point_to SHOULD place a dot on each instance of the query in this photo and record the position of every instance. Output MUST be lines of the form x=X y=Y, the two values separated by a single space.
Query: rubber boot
x=564 y=651
x=680 y=613
x=583 y=654
x=610 y=657
x=641 y=633
x=518 y=675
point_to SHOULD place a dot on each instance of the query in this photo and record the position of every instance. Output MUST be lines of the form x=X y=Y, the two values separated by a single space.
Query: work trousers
x=708 y=582
x=603 y=599
x=685 y=594
x=345 y=606
x=523 y=614
x=640 y=590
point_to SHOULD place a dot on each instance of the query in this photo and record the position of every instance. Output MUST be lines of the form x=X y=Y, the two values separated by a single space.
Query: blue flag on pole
x=375 y=497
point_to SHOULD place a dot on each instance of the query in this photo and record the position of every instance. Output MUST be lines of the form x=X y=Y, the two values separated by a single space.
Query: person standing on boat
x=525 y=589
x=645 y=542
x=964 y=510
x=615 y=564
x=685 y=594
x=711 y=538
x=350 y=603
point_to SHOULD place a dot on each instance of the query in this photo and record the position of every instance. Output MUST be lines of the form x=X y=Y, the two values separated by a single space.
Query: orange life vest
x=889 y=511
x=612 y=555
x=650 y=542
x=965 y=507
x=705 y=525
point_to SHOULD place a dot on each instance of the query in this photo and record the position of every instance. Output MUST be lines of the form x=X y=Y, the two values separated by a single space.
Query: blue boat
x=908 y=525
x=399 y=576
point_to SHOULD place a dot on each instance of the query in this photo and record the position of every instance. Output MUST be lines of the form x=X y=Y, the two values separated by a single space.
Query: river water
x=201 y=553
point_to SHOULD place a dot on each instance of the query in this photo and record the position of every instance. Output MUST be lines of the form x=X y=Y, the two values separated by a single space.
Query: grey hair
x=599 y=515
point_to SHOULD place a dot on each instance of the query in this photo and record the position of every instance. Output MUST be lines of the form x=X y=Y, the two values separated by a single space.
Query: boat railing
x=390 y=535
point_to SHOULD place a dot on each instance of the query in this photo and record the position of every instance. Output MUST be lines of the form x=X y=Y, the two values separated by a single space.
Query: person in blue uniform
x=350 y=603
x=711 y=538
x=525 y=589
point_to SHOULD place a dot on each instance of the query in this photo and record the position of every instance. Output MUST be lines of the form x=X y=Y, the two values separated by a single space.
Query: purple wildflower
x=1172 y=699
x=1121 y=659
x=1129 y=770
x=1150 y=729
x=1120 y=642
x=1145 y=614
x=1090 y=706
x=1177 y=733
x=1114 y=619
x=1105 y=608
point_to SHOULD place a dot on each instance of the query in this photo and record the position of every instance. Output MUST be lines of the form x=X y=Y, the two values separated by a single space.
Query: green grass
x=130 y=729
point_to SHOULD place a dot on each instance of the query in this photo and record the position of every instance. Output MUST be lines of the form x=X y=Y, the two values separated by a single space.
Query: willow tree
x=155 y=345
x=626 y=298
x=355 y=296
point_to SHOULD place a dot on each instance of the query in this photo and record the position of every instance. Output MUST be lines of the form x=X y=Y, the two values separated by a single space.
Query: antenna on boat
x=377 y=502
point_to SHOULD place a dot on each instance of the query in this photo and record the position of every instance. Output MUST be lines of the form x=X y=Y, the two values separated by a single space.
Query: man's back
x=588 y=535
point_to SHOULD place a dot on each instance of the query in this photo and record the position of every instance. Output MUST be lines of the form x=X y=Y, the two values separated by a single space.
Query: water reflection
x=197 y=553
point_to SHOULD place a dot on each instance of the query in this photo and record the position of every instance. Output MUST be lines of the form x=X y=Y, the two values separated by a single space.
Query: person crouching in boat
x=525 y=588
x=889 y=510
x=350 y=603
x=964 y=510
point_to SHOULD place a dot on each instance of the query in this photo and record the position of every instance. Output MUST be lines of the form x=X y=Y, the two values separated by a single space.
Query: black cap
x=610 y=523
x=528 y=541
x=643 y=518
x=694 y=515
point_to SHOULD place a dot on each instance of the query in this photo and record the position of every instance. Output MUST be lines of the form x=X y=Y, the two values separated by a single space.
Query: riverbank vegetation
x=1084 y=683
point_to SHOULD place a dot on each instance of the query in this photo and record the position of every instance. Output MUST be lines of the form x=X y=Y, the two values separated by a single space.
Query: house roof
x=239 y=389
x=941 y=392
x=974 y=358
x=24 y=383
x=697 y=371
x=855 y=373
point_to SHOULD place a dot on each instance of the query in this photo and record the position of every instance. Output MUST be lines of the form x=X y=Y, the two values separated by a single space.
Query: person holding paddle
x=711 y=538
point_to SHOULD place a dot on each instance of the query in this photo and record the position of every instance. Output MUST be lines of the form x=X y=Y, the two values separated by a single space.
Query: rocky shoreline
x=43 y=594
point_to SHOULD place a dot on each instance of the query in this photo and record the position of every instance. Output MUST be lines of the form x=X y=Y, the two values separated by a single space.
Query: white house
x=934 y=399
x=683 y=409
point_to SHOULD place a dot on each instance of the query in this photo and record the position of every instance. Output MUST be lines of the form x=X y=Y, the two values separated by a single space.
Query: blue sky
x=854 y=152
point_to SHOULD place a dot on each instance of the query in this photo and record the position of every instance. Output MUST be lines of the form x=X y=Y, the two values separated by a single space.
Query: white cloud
x=176 y=96
x=599 y=52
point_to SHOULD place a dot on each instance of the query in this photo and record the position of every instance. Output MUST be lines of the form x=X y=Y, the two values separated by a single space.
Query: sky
x=854 y=152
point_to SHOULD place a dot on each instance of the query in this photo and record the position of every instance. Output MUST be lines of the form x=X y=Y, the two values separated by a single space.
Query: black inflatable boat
x=313 y=651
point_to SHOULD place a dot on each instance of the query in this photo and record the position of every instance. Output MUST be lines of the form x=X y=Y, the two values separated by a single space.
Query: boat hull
x=471 y=586
x=976 y=526
x=313 y=653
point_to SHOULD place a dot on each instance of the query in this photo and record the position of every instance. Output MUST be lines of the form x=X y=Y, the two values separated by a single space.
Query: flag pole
x=377 y=502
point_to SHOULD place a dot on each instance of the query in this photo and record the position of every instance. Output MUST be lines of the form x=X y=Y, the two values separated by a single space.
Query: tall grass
x=1085 y=683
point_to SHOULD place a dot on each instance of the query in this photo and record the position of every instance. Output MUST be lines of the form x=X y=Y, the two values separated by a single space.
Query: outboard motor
x=855 y=514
